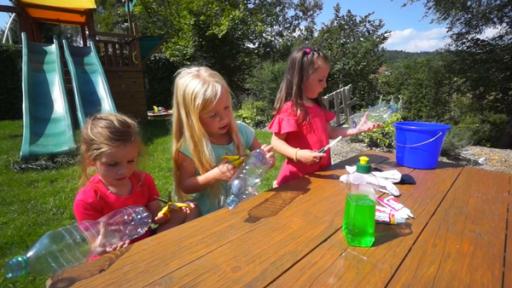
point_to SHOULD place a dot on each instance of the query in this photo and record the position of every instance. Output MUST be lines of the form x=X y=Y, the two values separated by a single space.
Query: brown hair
x=302 y=63
x=104 y=132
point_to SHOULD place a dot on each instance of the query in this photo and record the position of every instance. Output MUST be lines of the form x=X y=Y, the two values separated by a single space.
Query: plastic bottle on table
x=359 y=217
x=246 y=180
x=73 y=244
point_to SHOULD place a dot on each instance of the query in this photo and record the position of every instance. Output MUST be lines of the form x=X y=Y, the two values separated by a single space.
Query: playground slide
x=47 y=127
x=90 y=85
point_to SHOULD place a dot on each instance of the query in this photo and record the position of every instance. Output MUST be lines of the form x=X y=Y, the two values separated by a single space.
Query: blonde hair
x=302 y=63
x=104 y=132
x=196 y=90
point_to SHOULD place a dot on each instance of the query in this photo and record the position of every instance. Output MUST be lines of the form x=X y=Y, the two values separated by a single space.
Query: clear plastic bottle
x=359 y=217
x=246 y=180
x=379 y=113
x=73 y=244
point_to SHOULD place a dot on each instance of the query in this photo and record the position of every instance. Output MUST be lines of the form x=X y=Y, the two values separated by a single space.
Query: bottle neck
x=17 y=266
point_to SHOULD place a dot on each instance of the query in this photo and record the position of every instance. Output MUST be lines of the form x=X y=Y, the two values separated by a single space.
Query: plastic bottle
x=246 y=180
x=73 y=244
x=379 y=113
x=359 y=217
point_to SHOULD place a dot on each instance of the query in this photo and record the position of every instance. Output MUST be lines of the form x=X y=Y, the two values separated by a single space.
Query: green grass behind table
x=35 y=202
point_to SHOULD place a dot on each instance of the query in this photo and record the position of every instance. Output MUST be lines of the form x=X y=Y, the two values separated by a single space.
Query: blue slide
x=90 y=85
x=47 y=128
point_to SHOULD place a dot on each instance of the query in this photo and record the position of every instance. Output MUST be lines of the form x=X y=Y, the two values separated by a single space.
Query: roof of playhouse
x=70 y=11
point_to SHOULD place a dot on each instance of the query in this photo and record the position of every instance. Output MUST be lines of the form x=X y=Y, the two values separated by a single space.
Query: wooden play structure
x=120 y=54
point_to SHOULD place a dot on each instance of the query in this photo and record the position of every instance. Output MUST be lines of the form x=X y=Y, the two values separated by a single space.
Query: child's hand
x=224 y=171
x=269 y=154
x=366 y=125
x=309 y=156
x=171 y=209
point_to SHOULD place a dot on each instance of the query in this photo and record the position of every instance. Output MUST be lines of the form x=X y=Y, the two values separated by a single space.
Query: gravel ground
x=477 y=156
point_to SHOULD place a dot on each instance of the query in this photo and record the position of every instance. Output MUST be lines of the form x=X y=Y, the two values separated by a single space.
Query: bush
x=265 y=80
x=255 y=113
x=10 y=86
x=382 y=138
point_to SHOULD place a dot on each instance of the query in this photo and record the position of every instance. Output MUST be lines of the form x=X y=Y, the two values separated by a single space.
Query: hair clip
x=307 y=50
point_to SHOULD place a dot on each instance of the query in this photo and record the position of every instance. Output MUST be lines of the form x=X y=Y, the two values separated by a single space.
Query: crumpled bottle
x=246 y=180
x=73 y=244
x=379 y=113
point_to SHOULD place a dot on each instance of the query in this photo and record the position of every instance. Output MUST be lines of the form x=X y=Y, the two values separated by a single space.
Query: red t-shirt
x=312 y=134
x=94 y=200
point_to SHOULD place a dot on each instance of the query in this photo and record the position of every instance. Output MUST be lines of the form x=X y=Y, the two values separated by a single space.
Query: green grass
x=34 y=202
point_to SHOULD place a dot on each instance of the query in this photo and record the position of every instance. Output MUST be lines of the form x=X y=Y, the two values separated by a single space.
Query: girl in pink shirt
x=110 y=146
x=301 y=124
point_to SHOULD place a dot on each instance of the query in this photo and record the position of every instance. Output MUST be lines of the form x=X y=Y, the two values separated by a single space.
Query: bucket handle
x=422 y=143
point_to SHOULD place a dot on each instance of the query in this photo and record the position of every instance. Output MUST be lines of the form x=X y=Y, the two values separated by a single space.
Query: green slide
x=47 y=128
x=90 y=85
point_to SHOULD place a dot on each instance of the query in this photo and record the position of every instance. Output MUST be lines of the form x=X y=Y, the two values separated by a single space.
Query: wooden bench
x=342 y=102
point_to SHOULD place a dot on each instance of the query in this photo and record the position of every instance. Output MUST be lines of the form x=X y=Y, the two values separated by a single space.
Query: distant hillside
x=391 y=56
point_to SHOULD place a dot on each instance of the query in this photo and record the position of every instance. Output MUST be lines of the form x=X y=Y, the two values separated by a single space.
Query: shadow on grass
x=155 y=129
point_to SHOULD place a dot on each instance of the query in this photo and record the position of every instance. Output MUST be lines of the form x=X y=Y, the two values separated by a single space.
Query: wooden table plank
x=464 y=244
x=508 y=257
x=334 y=262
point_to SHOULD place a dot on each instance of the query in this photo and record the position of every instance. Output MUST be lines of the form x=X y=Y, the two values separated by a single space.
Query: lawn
x=34 y=202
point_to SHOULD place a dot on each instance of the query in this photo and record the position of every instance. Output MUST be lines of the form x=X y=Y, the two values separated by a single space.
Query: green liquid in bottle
x=359 y=220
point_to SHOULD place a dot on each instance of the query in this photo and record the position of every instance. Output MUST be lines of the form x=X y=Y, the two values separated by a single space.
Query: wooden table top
x=291 y=237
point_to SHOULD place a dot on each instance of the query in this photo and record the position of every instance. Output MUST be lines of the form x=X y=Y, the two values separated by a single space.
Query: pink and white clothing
x=312 y=134
x=94 y=200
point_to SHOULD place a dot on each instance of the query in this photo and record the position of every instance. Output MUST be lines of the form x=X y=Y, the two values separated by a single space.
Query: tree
x=354 y=47
x=229 y=36
x=467 y=20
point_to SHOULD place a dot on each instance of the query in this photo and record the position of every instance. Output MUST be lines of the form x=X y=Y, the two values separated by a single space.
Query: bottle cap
x=363 y=166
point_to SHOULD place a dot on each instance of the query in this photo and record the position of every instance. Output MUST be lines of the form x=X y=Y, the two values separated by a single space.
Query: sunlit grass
x=34 y=202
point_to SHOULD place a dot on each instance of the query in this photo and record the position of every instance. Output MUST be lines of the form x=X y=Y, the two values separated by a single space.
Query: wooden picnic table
x=291 y=237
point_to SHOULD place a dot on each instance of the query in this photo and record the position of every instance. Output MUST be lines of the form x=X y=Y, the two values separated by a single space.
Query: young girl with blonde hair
x=110 y=145
x=204 y=130
x=301 y=124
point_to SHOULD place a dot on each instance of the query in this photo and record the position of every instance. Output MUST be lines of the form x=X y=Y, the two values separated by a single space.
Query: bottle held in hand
x=73 y=244
x=246 y=180
x=379 y=113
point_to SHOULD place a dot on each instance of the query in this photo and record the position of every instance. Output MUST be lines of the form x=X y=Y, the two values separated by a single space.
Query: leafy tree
x=354 y=47
x=467 y=20
x=229 y=36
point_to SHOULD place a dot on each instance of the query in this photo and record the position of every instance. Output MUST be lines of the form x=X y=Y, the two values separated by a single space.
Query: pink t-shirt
x=310 y=134
x=94 y=200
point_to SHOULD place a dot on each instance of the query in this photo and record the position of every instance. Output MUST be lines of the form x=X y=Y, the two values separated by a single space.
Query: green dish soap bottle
x=359 y=217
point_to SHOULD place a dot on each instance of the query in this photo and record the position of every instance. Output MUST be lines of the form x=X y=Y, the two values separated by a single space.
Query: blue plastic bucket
x=418 y=144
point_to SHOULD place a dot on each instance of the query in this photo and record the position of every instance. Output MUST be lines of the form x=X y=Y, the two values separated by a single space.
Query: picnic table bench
x=291 y=237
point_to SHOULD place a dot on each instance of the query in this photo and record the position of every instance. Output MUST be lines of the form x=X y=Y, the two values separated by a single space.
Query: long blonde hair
x=197 y=89
x=102 y=133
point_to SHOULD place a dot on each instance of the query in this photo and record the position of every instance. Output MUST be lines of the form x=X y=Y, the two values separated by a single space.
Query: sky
x=410 y=30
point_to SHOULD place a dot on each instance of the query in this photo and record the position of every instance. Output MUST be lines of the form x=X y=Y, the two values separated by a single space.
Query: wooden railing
x=342 y=100
x=118 y=51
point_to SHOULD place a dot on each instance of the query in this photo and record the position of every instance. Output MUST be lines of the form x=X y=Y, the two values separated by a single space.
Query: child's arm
x=298 y=155
x=189 y=182
x=363 y=126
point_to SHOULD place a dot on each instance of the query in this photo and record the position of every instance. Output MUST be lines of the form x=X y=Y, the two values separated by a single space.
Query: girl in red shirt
x=301 y=124
x=110 y=146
